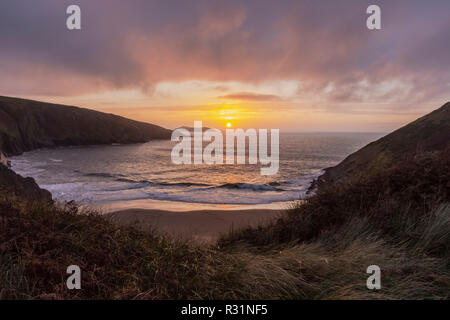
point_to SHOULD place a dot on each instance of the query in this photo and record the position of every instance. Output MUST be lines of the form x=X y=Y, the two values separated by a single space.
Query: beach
x=198 y=225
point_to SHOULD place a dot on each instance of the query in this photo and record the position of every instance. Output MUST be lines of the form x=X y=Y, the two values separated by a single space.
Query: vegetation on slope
x=413 y=187
x=19 y=190
x=27 y=125
x=399 y=220
x=427 y=134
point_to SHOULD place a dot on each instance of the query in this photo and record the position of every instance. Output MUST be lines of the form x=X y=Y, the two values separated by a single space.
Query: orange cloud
x=249 y=96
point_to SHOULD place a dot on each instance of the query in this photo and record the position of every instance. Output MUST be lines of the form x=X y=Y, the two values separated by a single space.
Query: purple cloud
x=322 y=44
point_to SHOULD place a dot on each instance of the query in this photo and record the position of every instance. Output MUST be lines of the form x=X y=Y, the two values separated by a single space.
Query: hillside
x=26 y=125
x=428 y=133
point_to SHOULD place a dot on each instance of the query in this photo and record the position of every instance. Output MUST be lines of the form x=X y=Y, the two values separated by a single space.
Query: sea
x=115 y=177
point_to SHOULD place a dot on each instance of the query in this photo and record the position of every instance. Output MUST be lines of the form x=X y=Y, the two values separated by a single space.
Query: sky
x=309 y=65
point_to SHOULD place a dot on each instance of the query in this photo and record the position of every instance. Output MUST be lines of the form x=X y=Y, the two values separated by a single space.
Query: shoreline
x=198 y=225
x=178 y=206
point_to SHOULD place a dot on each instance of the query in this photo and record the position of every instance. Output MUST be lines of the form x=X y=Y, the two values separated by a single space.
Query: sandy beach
x=200 y=225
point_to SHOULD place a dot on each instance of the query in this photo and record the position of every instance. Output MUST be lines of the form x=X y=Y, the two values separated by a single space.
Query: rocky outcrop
x=3 y=160
x=18 y=190
x=26 y=125
x=427 y=134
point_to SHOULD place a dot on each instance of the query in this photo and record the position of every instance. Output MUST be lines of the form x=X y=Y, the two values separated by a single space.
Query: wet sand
x=203 y=225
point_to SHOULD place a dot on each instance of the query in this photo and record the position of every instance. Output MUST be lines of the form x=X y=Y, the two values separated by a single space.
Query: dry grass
x=319 y=250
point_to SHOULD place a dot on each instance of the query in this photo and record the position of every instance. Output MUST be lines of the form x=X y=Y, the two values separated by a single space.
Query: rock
x=19 y=190
x=3 y=160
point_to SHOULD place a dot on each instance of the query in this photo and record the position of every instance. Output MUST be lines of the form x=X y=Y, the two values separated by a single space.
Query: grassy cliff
x=428 y=133
x=26 y=125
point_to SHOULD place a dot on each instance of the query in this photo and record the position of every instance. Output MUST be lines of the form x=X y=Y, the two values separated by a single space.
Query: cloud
x=249 y=96
x=322 y=44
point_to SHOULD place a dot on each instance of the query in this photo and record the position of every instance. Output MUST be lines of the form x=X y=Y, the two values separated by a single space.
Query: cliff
x=426 y=134
x=19 y=191
x=26 y=125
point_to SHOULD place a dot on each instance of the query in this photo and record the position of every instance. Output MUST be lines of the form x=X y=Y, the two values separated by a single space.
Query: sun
x=228 y=125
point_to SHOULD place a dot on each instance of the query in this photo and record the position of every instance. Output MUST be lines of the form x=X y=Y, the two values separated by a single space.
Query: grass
x=320 y=249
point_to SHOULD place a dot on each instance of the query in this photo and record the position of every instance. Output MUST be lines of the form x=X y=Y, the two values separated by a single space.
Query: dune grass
x=320 y=249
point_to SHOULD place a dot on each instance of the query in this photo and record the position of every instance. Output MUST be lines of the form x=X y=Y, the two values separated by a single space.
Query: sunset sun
x=228 y=125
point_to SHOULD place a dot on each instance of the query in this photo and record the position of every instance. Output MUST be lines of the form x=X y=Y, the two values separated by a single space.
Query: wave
x=100 y=175
x=125 y=189
x=137 y=184
x=181 y=184
x=249 y=186
x=129 y=187
x=240 y=185
x=134 y=184
x=298 y=184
